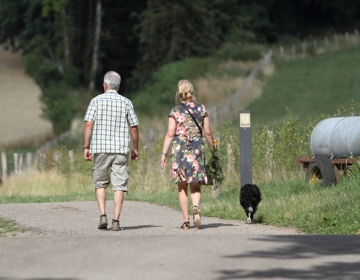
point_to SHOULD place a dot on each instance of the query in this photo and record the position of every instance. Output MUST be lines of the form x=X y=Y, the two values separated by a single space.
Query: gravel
x=137 y=218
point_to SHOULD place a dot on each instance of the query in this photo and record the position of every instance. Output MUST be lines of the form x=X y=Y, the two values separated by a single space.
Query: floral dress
x=187 y=153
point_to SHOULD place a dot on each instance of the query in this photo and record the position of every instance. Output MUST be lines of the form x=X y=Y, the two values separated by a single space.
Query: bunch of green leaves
x=213 y=168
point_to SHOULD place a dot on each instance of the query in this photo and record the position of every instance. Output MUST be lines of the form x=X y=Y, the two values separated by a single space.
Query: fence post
x=293 y=50
x=28 y=160
x=16 y=163
x=326 y=43
x=304 y=48
x=269 y=155
x=21 y=163
x=336 y=40
x=230 y=157
x=315 y=46
x=4 y=166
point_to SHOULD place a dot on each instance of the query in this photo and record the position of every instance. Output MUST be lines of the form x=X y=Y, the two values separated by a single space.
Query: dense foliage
x=75 y=42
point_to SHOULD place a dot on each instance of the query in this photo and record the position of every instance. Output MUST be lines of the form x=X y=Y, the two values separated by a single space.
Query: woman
x=186 y=123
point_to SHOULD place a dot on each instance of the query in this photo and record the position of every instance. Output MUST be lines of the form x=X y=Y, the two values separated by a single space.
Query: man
x=107 y=121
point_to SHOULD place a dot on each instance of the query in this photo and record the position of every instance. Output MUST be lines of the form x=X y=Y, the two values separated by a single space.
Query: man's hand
x=87 y=155
x=134 y=154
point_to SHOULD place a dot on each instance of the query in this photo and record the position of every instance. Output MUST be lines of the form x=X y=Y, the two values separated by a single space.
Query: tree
x=94 y=63
x=171 y=30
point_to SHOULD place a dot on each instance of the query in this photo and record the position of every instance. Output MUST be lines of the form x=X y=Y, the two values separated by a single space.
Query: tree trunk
x=65 y=37
x=94 y=63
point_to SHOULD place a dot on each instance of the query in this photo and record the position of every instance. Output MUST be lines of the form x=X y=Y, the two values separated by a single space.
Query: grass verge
x=312 y=209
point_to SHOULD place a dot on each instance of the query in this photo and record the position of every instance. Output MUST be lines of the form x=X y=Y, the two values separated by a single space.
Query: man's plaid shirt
x=112 y=114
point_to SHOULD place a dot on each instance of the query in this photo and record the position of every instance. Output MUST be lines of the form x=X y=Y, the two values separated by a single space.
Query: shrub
x=58 y=106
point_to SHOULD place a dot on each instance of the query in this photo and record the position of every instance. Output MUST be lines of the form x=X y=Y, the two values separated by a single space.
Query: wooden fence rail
x=27 y=161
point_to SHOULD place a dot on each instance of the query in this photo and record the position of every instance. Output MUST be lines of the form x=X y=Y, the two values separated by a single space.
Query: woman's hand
x=163 y=161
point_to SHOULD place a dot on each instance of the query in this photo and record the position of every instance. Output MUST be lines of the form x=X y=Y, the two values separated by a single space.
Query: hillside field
x=20 y=108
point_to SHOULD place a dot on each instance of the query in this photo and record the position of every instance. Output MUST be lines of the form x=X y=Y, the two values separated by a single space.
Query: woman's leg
x=183 y=200
x=195 y=194
x=195 y=198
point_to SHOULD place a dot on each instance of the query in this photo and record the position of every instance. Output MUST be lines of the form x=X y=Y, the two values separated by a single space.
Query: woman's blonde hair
x=185 y=90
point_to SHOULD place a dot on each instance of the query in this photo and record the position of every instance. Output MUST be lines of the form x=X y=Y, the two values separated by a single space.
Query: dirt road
x=64 y=243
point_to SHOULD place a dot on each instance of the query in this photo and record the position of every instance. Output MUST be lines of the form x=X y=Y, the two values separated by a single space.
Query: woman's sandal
x=185 y=225
x=196 y=217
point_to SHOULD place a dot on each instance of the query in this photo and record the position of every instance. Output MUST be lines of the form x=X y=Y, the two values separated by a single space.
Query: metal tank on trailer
x=335 y=146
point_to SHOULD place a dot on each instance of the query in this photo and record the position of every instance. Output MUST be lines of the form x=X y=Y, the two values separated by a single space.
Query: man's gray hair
x=113 y=80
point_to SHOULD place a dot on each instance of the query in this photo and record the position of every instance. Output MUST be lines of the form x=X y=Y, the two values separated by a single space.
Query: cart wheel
x=321 y=170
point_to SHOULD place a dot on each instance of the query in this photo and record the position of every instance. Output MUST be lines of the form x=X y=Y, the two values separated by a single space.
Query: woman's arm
x=169 y=136
x=208 y=133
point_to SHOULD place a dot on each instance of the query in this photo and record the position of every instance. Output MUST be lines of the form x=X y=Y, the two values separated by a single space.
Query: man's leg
x=101 y=200
x=118 y=202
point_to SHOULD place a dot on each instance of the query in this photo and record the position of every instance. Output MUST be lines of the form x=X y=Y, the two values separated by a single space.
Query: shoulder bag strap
x=193 y=118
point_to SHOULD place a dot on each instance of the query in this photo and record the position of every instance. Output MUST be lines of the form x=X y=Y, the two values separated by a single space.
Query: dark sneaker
x=115 y=225
x=103 y=222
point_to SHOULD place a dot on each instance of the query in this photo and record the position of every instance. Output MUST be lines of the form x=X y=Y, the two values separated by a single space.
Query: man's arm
x=134 y=131
x=87 y=137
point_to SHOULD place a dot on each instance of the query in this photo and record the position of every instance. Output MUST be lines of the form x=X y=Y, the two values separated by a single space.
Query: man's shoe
x=115 y=225
x=103 y=222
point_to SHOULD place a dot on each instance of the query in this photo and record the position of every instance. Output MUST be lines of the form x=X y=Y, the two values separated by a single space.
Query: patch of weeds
x=9 y=228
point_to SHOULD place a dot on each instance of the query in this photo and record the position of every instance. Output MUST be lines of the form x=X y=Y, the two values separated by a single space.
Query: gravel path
x=137 y=218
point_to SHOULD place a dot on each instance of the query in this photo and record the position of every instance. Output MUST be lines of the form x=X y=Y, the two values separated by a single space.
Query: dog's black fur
x=250 y=197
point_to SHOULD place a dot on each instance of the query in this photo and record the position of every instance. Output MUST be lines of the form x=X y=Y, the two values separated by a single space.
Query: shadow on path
x=342 y=247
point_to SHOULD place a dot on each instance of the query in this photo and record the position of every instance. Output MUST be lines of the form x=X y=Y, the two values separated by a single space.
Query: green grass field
x=310 y=87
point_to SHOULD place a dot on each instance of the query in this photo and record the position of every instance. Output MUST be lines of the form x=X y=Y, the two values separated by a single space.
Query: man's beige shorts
x=119 y=174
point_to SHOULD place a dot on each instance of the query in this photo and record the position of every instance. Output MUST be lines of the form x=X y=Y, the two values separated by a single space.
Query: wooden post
x=336 y=40
x=293 y=50
x=269 y=155
x=4 y=166
x=304 y=48
x=230 y=157
x=21 y=163
x=16 y=163
x=28 y=160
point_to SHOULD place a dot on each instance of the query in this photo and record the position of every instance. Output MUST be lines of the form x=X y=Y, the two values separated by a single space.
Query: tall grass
x=287 y=199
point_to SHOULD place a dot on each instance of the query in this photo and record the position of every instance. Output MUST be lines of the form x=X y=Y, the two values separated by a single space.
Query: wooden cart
x=324 y=170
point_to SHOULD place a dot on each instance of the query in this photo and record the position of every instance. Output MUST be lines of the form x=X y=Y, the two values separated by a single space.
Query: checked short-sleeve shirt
x=112 y=114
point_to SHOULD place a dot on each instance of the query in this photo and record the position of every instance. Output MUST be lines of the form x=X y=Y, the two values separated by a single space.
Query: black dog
x=250 y=197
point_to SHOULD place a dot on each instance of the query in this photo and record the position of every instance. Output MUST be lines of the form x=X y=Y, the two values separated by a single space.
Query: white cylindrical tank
x=336 y=137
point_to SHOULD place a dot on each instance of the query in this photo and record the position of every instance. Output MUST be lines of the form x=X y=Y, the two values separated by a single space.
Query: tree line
x=70 y=44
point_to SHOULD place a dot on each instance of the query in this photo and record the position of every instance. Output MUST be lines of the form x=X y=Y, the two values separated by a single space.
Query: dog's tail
x=250 y=209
